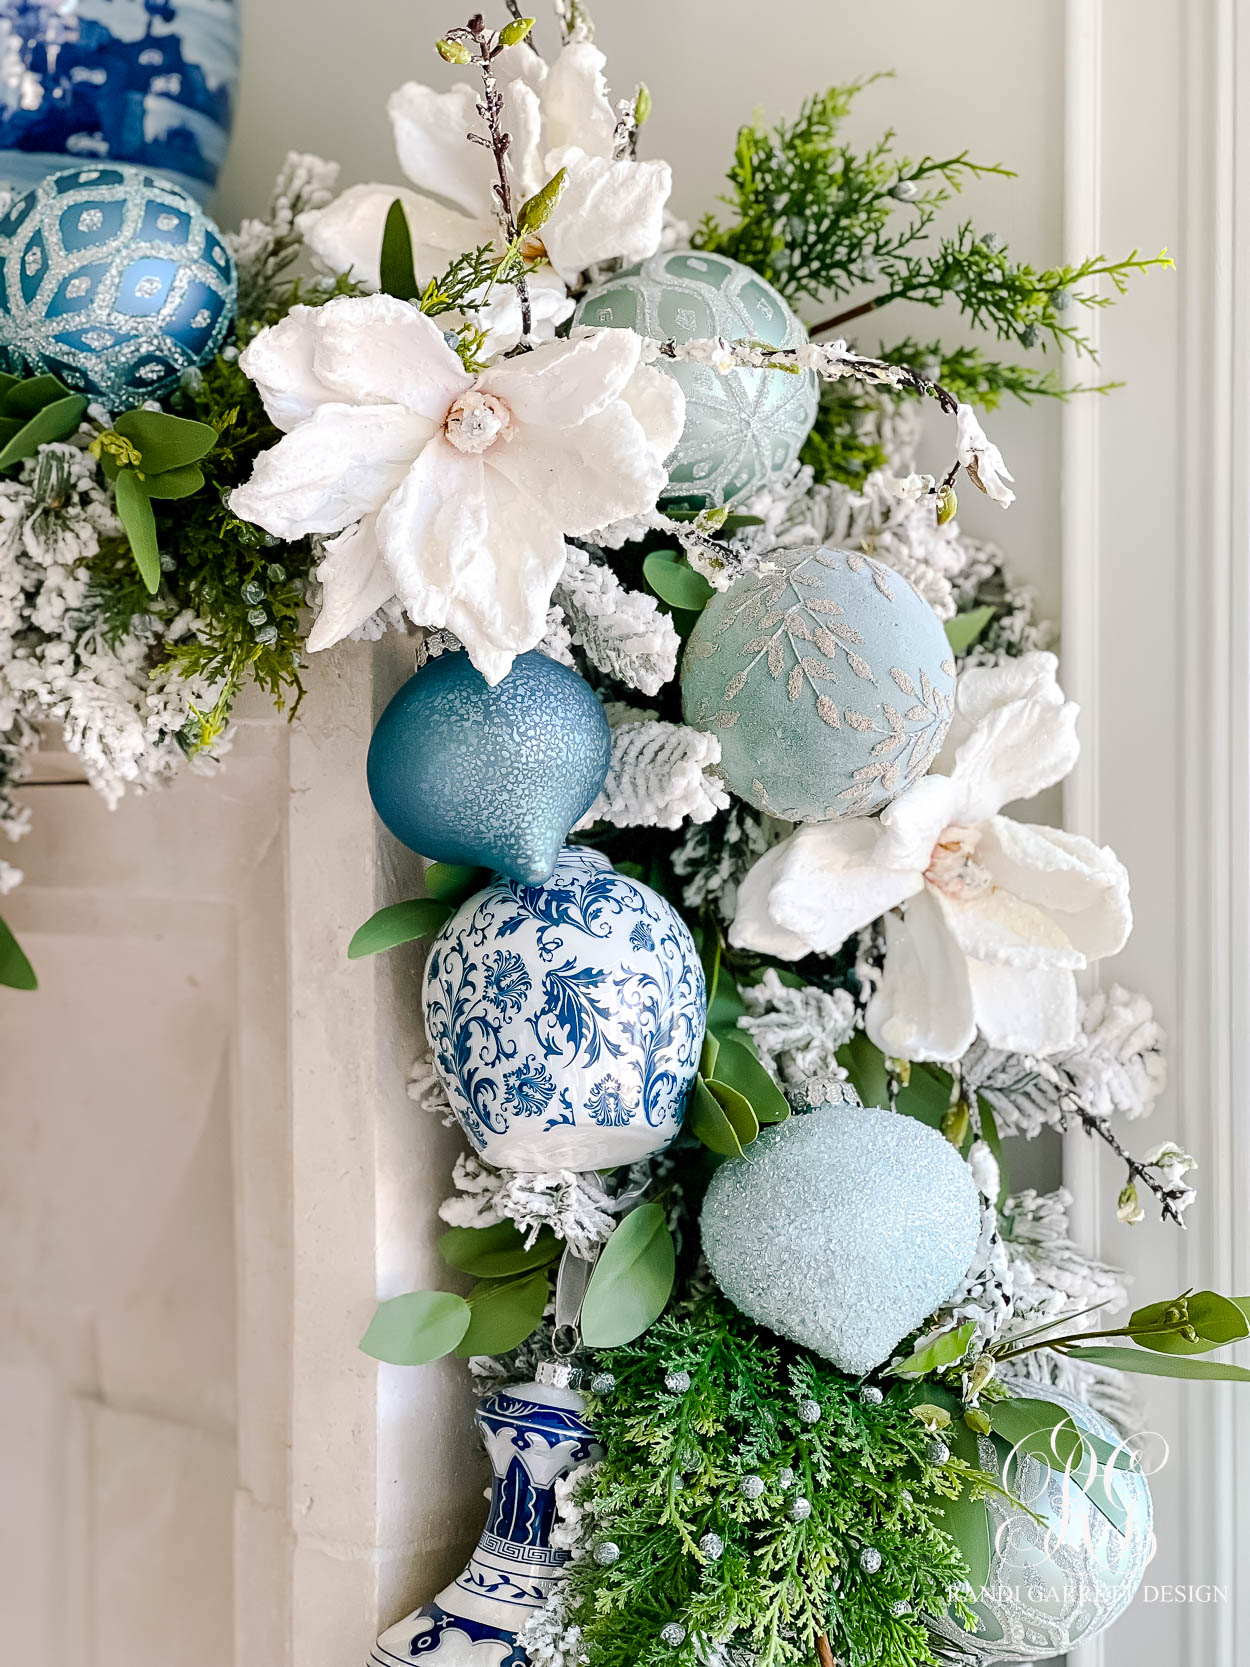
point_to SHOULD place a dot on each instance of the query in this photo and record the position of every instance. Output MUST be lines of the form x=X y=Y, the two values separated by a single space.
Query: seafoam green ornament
x=744 y=427
x=826 y=678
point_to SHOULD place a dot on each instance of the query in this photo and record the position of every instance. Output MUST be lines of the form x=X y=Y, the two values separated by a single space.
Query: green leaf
x=503 y=1313
x=56 y=421
x=706 y=1119
x=15 y=970
x=452 y=882
x=737 y=1066
x=632 y=1281
x=708 y=1054
x=175 y=483
x=1216 y=1319
x=418 y=1327
x=33 y=394
x=7 y=384
x=1152 y=1365
x=512 y=34
x=164 y=441
x=726 y=1006
x=1039 y=1429
x=944 y=1351
x=493 y=1252
x=964 y=629
x=399 y=275
x=674 y=581
x=134 y=509
x=864 y=1064
x=737 y=1108
x=710 y=956
x=419 y=917
x=968 y=1523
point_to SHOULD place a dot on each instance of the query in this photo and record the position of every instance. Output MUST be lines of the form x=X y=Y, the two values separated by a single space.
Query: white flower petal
x=1084 y=887
x=575 y=105
x=430 y=142
x=1021 y=1010
x=564 y=382
x=523 y=119
x=608 y=210
x=341 y=464
x=377 y=351
x=659 y=404
x=356 y=583
x=981 y=458
x=983 y=689
x=1018 y=742
x=346 y=235
x=922 y=1009
x=831 y=882
x=280 y=362
x=914 y=820
x=754 y=926
x=500 y=315
x=996 y=926
x=586 y=476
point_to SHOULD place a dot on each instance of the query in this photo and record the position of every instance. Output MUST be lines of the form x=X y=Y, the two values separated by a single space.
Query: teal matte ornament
x=842 y=1229
x=114 y=280
x=492 y=777
x=742 y=428
x=828 y=681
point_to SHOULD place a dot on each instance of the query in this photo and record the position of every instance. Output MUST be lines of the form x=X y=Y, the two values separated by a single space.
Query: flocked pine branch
x=660 y=775
x=621 y=632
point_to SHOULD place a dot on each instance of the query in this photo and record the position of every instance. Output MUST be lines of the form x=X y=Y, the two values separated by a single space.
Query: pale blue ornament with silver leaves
x=827 y=679
x=743 y=428
x=566 y=1020
x=842 y=1229
x=496 y=776
x=1067 y=1565
x=113 y=280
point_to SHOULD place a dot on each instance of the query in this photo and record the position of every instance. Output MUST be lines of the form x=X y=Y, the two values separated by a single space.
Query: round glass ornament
x=842 y=1229
x=829 y=683
x=493 y=777
x=566 y=1020
x=743 y=428
x=113 y=280
x=1059 y=1582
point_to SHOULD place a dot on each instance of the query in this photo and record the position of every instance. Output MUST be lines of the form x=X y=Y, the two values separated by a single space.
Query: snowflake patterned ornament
x=987 y=920
x=449 y=491
x=566 y=1019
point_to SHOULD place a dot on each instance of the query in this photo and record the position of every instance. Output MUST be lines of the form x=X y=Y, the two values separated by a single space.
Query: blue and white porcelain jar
x=566 y=1019
x=144 y=81
x=534 y=1435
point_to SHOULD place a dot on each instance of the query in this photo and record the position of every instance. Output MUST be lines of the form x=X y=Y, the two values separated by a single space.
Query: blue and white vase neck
x=534 y=1434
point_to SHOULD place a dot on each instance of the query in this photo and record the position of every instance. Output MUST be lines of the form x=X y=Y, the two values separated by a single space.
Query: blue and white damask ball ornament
x=842 y=1229
x=114 y=280
x=827 y=679
x=493 y=777
x=566 y=1020
x=742 y=428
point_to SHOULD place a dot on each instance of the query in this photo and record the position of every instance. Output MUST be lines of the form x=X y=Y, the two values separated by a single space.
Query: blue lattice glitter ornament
x=115 y=281
x=1063 y=1574
x=534 y=1434
x=827 y=680
x=493 y=777
x=565 y=1020
x=745 y=427
x=842 y=1229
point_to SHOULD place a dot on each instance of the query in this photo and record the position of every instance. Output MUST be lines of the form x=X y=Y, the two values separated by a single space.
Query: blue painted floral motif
x=566 y=1020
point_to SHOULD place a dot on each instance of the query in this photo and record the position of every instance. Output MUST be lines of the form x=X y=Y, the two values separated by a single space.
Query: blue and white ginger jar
x=566 y=1019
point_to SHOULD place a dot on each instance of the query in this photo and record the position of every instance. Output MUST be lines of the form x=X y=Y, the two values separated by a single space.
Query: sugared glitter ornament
x=677 y=1383
x=114 y=280
x=842 y=1230
x=712 y=1546
x=606 y=1553
x=673 y=1634
x=743 y=428
x=827 y=680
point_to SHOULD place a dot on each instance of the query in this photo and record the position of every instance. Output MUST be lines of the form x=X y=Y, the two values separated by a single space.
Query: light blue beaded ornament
x=742 y=428
x=115 y=281
x=828 y=682
x=842 y=1229
x=493 y=777
x=1063 y=1574
x=565 y=1020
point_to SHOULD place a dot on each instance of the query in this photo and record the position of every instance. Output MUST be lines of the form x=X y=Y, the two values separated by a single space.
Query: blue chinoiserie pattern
x=534 y=1434
x=566 y=1019
x=144 y=81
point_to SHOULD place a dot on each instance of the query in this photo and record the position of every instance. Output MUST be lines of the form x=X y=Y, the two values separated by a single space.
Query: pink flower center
x=953 y=868
x=476 y=421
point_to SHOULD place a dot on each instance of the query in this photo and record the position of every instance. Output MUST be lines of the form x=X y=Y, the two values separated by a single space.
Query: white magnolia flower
x=559 y=117
x=986 y=919
x=982 y=458
x=452 y=492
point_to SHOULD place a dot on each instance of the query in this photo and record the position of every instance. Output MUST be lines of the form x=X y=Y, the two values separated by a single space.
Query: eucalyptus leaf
x=968 y=1523
x=7 y=384
x=419 y=917
x=737 y=1109
x=1151 y=1365
x=175 y=483
x=864 y=1064
x=706 y=1120
x=708 y=1054
x=33 y=394
x=943 y=1351
x=134 y=510
x=418 y=1327
x=737 y=1066
x=963 y=631
x=398 y=272
x=1039 y=1429
x=453 y=882
x=710 y=956
x=726 y=1007
x=632 y=1281
x=503 y=1313
x=164 y=441
x=674 y=581
x=495 y=1251
x=56 y=421
x=15 y=970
